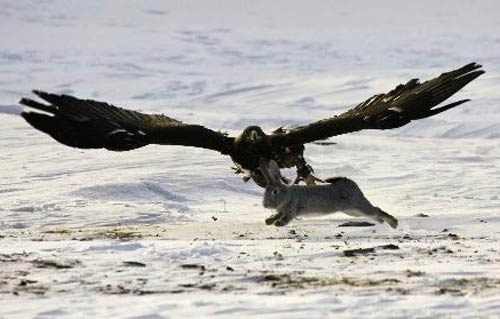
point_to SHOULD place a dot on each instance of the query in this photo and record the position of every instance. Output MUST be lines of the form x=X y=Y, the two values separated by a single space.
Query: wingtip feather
x=37 y=105
x=443 y=108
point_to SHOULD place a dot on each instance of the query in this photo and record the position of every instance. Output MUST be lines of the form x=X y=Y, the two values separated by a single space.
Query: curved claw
x=311 y=180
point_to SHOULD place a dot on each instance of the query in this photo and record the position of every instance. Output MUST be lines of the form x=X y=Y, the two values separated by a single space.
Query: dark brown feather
x=405 y=103
x=92 y=124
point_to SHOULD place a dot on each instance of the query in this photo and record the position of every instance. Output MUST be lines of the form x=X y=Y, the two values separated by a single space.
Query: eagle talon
x=305 y=173
x=311 y=180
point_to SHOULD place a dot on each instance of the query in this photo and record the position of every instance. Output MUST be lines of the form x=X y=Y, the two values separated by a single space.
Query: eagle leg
x=305 y=173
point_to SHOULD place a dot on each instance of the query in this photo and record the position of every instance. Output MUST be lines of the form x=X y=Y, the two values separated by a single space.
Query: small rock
x=453 y=236
x=414 y=273
x=389 y=246
x=452 y=291
x=134 y=264
x=278 y=255
x=192 y=266
x=25 y=282
x=421 y=215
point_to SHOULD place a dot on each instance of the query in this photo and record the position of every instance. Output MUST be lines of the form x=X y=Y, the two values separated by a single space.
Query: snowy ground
x=170 y=232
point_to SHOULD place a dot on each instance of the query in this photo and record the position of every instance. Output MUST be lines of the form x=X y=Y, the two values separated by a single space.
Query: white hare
x=340 y=194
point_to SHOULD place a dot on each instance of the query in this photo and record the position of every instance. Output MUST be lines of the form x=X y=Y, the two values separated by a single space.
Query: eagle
x=89 y=124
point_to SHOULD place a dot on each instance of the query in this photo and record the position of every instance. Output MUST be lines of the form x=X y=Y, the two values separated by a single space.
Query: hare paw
x=283 y=221
x=271 y=219
x=280 y=223
x=285 y=218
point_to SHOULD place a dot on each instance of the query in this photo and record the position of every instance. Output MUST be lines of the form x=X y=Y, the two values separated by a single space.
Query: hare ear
x=274 y=170
x=264 y=168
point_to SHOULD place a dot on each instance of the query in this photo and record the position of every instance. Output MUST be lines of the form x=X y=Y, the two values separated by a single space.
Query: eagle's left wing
x=92 y=124
x=407 y=102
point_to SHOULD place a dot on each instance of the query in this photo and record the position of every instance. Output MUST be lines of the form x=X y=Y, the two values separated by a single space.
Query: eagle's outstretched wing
x=91 y=124
x=407 y=102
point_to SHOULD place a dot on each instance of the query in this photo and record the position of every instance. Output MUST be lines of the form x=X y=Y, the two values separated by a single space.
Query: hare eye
x=275 y=192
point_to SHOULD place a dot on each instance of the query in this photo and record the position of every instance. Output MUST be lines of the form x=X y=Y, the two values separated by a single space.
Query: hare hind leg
x=374 y=213
x=389 y=219
x=362 y=213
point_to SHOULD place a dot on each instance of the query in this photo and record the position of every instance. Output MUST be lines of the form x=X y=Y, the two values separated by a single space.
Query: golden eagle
x=92 y=124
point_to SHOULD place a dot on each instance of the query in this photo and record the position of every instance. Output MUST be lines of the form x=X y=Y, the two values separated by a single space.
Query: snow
x=171 y=232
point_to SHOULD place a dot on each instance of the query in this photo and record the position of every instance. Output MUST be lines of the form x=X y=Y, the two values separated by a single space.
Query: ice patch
x=204 y=250
x=18 y=226
x=130 y=192
x=114 y=247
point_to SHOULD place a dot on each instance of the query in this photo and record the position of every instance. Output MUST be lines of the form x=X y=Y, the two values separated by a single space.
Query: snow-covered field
x=171 y=232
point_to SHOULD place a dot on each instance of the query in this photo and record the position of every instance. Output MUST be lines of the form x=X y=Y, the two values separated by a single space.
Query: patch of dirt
x=288 y=281
x=356 y=224
x=14 y=257
x=414 y=273
x=389 y=247
x=122 y=234
x=193 y=266
x=45 y=263
x=30 y=286
x=358 y=251
x=462 y=286
x=422 y=215
x=58 y=231
x=16 y=286
x=368 y=251
x=134 y=264
x=110 y=289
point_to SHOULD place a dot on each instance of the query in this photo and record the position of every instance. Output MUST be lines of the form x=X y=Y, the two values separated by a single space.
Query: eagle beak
x=254 y=136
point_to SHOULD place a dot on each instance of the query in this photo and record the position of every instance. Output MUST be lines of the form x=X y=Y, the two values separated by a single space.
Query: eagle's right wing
x=92 y=124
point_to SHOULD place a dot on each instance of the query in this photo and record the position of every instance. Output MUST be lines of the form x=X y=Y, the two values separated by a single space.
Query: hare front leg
x=274 y=217
x=288 y=213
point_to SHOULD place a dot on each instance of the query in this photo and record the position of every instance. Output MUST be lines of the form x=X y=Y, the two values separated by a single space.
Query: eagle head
x=250 y=146
x=253 y=135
